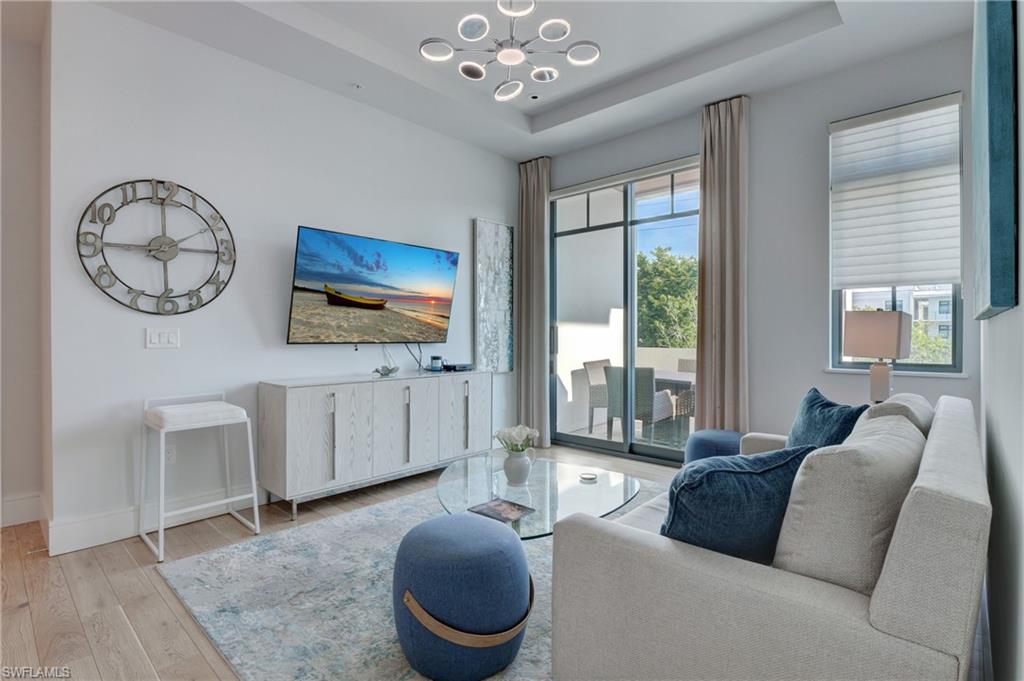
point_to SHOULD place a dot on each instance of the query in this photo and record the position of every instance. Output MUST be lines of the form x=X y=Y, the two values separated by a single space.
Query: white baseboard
x=22 y=508
x=73 y=534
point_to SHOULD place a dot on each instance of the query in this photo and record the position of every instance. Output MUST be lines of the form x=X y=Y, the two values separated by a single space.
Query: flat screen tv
x=355 y=289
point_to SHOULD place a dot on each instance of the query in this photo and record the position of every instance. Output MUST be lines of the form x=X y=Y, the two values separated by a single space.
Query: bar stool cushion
x=193 y=415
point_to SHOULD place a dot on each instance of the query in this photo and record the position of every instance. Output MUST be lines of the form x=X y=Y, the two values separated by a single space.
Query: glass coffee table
x=554 y=489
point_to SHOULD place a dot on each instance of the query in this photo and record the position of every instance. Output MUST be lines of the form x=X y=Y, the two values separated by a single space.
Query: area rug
x=314 y=602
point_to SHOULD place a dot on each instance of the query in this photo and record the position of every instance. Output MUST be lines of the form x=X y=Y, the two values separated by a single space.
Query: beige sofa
x=629 y=603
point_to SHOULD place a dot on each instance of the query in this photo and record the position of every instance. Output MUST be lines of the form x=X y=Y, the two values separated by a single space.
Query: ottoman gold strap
x=459 y=637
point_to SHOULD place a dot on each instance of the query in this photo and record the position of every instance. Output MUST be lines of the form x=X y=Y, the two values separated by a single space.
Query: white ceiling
x=659 y=60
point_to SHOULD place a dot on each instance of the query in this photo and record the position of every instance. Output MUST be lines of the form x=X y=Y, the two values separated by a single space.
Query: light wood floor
x=107 y=614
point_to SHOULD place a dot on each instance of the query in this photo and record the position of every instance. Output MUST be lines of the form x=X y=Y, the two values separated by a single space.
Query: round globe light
x=436 y=49
x=554 y=30
x=544 y=74
x=472 y=70
x=583 y=53
x=474 y=27
x=517 y=9
x=507 y=90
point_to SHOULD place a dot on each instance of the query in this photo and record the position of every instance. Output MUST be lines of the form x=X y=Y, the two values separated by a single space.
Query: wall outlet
x=171 y=455
x=163 y=339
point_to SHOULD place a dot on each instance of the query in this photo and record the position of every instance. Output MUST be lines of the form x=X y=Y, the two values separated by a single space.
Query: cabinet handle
x=465 y=420
x=334 y=436
x=408 y=424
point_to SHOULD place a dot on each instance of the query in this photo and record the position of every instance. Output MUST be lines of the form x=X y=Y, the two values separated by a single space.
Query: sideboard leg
x=295 y=510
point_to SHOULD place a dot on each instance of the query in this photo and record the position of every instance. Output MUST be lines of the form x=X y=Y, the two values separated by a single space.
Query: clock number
x=193 y=201
x=92 y=241
x=104 y=278
x=172 y=190
x=104 y=214
x=133 y=297
x=165 y=304
x=215 y=220
x=227 y=254
x=125 y=198
x=195 y=299
x=216 y=282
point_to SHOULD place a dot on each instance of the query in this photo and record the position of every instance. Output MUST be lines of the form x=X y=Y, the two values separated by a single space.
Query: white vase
x=517 y=467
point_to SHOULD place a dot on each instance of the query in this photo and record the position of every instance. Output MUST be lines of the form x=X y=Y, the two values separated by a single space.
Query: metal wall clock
x=156 y=246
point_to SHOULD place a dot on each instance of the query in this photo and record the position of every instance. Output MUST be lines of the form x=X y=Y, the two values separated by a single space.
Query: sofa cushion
x=648 y=516
x=915 y=408
x=733 y=504
x=845 y=502
x=822 y=422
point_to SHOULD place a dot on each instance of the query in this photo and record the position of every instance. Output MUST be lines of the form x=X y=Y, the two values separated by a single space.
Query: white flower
x=518 y=438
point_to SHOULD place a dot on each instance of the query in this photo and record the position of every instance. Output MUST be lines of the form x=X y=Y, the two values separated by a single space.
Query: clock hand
x=164 y=247
x=128 y=247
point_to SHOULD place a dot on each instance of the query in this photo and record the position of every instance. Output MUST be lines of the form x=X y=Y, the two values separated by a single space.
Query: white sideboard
x=324 y=435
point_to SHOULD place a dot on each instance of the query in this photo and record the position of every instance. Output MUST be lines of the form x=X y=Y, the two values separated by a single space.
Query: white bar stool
x=169 y=418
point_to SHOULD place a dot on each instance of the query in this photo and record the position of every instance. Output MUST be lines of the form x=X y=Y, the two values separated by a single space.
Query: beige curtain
x=722 y=284
x=532 y=322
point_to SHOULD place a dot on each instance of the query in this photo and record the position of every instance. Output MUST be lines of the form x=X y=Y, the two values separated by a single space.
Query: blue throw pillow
x=821 y=422
x=733 y=504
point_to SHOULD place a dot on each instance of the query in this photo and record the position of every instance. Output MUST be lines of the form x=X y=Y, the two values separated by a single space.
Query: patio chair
x=651 y=407
x=598 y=388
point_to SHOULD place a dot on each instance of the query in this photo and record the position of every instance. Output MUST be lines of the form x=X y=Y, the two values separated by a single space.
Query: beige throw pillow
x=845 y=501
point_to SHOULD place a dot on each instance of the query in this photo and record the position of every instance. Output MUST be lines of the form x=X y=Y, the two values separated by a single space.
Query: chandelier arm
x=471 y=49
x=546 y=51
x=512 y=28
x=527 y=42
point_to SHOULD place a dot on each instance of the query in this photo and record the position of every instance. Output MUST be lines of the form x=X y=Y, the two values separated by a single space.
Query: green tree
x=666 y=299
x=926 y=348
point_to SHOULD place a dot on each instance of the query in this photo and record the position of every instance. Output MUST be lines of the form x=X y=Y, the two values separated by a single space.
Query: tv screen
x=356 y=289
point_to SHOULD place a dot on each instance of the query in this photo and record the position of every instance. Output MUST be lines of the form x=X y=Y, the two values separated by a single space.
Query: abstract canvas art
x=494 y=305
x=994 y=144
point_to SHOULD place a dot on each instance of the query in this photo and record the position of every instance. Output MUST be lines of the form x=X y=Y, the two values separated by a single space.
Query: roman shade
x=895 y=196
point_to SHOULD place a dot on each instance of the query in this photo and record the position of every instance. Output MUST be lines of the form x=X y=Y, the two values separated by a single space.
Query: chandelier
x=511 y=52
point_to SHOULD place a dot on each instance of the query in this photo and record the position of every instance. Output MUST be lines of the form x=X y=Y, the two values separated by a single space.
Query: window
x=895 y=227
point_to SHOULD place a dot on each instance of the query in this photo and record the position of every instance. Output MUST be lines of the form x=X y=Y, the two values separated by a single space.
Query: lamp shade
x=885 y=335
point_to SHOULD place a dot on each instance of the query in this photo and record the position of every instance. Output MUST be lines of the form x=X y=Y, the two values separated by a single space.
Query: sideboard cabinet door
x=404 y=424
x=464 y=414
x=353 y=432
x=310 y=438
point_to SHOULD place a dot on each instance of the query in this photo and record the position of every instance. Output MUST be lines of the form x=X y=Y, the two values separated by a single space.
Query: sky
x=679 y=234
x=365 y=266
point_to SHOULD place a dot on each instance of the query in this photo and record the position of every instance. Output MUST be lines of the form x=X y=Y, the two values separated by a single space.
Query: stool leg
x=227 y=464
x=160 y=511
x=142 y=481
x=252 y=479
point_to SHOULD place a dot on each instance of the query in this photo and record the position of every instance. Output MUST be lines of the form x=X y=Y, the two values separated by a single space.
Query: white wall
x=22 y=466
x=128 y=101
x=1002 y=389
x=788 y=289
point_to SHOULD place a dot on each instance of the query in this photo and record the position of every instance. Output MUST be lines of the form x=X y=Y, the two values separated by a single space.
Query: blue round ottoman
x=705 y=443
x=462 y=594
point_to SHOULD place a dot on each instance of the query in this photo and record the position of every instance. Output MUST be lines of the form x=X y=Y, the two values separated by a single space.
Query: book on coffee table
x=503 y=510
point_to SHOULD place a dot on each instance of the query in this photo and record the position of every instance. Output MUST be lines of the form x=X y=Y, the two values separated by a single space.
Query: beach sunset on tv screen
x=355 y=289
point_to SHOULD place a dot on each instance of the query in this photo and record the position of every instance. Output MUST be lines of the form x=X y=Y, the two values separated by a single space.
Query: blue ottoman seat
x=462 y=594
x=705 y=443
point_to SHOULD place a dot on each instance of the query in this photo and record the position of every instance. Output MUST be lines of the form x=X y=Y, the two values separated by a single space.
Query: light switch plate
x=163 y=339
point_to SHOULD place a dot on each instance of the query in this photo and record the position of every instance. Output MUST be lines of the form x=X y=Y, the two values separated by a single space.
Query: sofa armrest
x=632 y=604
x=756 y=443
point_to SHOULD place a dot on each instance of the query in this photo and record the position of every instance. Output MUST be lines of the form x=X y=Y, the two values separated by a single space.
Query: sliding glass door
x=624 y=313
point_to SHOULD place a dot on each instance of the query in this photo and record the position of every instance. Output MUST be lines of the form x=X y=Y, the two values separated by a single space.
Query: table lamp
x=881 y=334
